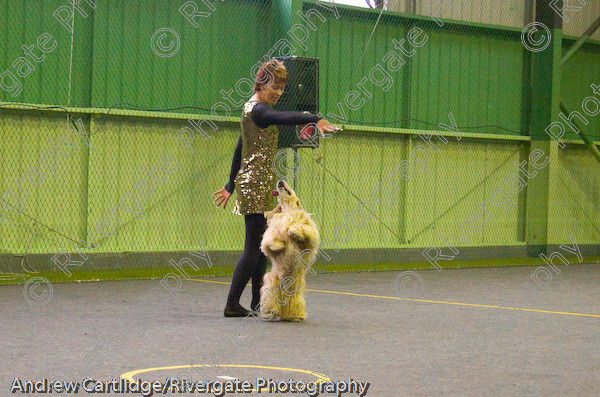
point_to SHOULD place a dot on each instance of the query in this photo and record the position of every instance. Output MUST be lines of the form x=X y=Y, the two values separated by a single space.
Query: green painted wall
x=577 y=74
x=575 y=201
x=471 y=71
x=213 y=55
x=22 y=23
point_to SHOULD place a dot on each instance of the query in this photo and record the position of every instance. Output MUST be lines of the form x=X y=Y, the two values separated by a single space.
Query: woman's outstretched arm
x=263 y=116
x=235 y=166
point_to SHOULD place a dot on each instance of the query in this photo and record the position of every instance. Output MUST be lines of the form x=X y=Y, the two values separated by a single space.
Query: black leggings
x=252 y=264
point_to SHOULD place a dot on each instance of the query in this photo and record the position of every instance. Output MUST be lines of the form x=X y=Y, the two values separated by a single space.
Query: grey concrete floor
x=421 y=345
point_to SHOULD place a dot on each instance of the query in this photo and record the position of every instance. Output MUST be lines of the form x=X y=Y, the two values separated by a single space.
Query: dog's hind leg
x=295 y=307
x=269 y=305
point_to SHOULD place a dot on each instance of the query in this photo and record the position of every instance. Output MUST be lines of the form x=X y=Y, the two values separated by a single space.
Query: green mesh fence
x=119 y=120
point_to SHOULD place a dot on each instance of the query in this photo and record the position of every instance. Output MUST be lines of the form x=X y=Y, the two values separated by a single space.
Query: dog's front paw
x=296 y=234
x=276 y=245
x=276 y=210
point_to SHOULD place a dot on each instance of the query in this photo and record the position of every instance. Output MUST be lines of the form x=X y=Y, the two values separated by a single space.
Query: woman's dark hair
x=269 y=72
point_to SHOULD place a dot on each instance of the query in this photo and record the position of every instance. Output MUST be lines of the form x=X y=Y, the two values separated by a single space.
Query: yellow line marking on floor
x=429 y=301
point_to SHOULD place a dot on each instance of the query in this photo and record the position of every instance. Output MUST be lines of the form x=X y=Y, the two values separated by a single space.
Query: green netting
x=119 y=120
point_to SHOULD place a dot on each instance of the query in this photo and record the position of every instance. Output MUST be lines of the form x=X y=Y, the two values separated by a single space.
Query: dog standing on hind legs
x=291 y=242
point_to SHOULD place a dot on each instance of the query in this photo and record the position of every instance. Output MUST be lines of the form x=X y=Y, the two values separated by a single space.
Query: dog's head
x=286 y=197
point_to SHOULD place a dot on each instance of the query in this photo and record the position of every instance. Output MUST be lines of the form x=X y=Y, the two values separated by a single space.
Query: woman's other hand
x=324 y=125
x=223 y=197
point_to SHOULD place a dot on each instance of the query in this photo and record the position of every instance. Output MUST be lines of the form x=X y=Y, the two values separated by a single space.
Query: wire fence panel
x=118 y=122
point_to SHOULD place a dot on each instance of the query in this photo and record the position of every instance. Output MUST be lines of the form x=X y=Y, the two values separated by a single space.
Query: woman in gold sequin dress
x=252 y=172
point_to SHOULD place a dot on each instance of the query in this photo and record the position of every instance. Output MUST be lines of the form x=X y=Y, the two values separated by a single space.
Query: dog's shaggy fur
x=291 y=241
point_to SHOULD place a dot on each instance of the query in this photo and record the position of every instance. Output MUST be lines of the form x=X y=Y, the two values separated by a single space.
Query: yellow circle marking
x=128 y=376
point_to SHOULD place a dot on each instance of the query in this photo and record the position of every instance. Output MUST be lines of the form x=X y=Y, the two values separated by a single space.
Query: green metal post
x=545 y=98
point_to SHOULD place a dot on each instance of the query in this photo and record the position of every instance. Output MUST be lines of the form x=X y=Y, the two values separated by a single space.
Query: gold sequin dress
x=256 y=178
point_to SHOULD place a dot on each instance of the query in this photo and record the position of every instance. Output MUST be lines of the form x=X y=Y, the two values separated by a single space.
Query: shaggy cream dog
x=291 y=241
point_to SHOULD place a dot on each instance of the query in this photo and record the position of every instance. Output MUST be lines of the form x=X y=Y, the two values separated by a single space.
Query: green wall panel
x=475 y=77
x=462 y=177
x=578 y=73
x=212 y=56
x=21 y=23
x=340 y=45
x=331 y=189
x=473 y=72
x=179 y=213
x=52 y=190
x=575 y=203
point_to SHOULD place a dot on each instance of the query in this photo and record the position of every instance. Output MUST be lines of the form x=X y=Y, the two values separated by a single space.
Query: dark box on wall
x=301 y=95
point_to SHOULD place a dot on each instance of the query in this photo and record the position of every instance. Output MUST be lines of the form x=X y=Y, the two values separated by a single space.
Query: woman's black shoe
x=237 y=311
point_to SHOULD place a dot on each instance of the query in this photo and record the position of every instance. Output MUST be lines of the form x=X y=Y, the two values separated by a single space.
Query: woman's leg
x=259 y=272
x=246 y=266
